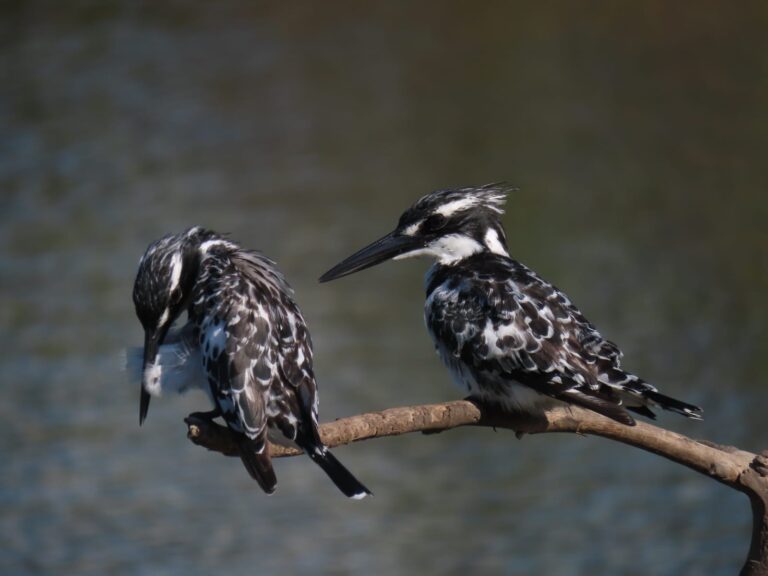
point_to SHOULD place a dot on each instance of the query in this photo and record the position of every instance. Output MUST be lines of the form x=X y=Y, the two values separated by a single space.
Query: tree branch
x=738 y=469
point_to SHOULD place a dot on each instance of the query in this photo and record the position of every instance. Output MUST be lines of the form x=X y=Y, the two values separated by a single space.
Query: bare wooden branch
x=741 y=470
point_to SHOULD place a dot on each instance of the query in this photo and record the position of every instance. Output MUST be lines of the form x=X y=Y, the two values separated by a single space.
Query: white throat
x=447 y=249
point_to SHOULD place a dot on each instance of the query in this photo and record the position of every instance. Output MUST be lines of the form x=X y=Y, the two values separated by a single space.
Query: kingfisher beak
x=151 y=345
x=389 y=246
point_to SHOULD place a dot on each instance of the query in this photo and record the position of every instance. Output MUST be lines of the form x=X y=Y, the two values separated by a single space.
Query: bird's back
x=510 y=336
x=255 y=344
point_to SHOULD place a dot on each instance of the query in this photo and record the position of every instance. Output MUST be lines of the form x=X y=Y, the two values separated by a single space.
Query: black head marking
x=449 y=225
x=446 y=211
x=469 y=212
x=166 y=275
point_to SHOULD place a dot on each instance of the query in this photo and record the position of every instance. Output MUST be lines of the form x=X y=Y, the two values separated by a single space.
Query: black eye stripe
x=434 y=222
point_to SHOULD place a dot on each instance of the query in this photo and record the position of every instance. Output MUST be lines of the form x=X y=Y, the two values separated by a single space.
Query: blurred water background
x=638 y=136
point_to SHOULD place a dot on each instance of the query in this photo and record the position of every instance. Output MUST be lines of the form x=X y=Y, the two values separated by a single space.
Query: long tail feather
x=643 y=411
x=668 y=403
x=640 y=397
x=259 y=465
x=343 y=478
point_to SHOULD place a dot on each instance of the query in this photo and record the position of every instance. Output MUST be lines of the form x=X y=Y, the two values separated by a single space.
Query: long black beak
x=151 y=344
x=383 y=249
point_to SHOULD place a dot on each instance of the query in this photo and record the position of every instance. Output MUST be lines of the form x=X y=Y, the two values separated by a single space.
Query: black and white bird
x=245 y=343
x=508 y=337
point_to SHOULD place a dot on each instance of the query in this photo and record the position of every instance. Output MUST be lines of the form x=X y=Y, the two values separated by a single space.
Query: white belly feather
x=515 y=397
x=179 y=366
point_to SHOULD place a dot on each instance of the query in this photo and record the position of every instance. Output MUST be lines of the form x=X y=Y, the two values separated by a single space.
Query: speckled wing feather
x=233 y=318
x=247 y=334
x=292 y=392
x=499 y=327
x=234 y=336
x=292 y=401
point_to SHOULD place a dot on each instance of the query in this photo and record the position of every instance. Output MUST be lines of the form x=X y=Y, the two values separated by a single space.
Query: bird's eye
x=434 y=223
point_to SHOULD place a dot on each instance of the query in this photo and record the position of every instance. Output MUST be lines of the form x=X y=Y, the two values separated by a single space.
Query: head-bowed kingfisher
x=245 y=343
x=508 y=337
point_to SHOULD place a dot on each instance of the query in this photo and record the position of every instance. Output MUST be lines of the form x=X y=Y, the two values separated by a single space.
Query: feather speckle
x=507 y=336
x=504 y=332
x=245 y=342
x=500 y=329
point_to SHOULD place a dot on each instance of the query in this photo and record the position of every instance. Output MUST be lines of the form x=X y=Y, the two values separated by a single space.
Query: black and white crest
x=490 y=197
x=507 y=336
x=245 y=343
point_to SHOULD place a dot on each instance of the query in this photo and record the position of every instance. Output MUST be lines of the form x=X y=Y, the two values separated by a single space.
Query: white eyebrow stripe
x=176 y=265
x=456 y=206
x=164 y=317
x=208 y=244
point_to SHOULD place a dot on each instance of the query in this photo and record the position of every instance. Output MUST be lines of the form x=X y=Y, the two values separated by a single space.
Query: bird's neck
x=495 y=241
x=449 y=261
x=454 y=248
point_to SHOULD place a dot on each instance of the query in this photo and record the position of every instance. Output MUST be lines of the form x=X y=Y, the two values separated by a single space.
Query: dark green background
x=637 y=134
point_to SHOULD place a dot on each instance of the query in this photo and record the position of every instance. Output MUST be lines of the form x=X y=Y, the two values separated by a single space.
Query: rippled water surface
x=637 y=138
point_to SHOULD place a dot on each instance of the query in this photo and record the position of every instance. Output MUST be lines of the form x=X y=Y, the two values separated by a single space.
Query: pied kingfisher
x=245 y=343
x=508 y=337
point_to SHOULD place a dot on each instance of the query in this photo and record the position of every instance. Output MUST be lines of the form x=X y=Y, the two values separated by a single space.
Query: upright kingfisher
x=245 y=343
x=508 y=337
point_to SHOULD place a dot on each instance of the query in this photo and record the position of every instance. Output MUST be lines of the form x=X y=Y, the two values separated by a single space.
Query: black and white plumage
x=508 y=337
x=245 y=343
